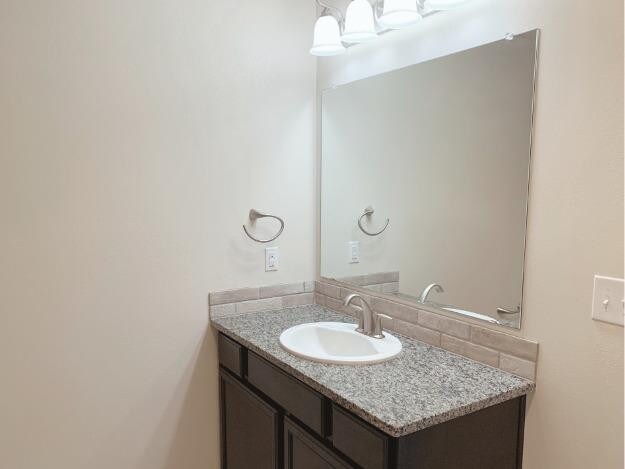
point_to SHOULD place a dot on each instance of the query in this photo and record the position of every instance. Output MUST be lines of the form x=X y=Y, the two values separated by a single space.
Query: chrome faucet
x=424 y=295
x=369 y=322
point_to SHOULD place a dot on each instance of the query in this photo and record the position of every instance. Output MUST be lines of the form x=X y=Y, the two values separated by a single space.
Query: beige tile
x=309 y=286
x=388 y=324
x=220 y=311
x=328 y=302
x=506 y=343
x=417 y=332
x=259 y=305
x=353 y=308
x=233 y=296
x=392 y=287
x=353 y=312
x=467 y=349
x=298 y=300
x=396 y=310
x=328 y=290
x=382 y=277
x=444 y=324
x=281 y=290
x=358 y=280
x=320 y=299
x=333 y=303
x=518 y=366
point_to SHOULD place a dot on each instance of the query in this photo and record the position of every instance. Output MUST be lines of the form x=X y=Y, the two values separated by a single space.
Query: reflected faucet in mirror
x=425 y=293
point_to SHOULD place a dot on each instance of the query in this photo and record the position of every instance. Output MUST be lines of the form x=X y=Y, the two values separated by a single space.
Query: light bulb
x=327 y=37
x=359 y=22
x=444 y=4
x=398 y=14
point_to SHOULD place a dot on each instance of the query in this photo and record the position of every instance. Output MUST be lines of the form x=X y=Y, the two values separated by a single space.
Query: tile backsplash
x=491 y=347
x=508 y=352
x=382 y=282
x=248 y=300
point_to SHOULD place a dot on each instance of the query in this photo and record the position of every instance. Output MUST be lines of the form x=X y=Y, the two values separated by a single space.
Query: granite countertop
x=421 y=387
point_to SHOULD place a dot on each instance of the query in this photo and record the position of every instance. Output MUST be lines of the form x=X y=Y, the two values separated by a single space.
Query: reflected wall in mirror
x=425 y=180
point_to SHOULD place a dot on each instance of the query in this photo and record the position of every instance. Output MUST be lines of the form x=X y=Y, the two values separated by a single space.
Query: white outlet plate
x=607 y=300
x=272 y=259
x=353 y=252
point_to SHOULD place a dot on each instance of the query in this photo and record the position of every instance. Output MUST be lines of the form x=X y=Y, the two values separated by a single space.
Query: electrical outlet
x=272 y=259
x=353 y=252
x=607 y=301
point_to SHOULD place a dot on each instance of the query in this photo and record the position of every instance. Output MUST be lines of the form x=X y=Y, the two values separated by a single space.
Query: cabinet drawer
x=294 y=396
x=363 y=444
x=231 y=355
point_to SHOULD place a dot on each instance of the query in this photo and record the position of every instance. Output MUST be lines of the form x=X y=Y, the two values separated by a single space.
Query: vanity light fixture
x=359 y=23
x=397 y=14
x=327 y=37
x=335 y=32
x=444 y=4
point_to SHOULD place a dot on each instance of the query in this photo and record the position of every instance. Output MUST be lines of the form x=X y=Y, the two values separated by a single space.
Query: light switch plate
x=607 y=300
x=272 y=259
x=353 y=252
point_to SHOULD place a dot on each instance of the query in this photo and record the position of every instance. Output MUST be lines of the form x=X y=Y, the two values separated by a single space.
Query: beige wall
x=575 y=418
x=134 y=138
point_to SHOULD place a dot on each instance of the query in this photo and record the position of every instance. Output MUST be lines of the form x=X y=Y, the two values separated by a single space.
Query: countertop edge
x=362 y=413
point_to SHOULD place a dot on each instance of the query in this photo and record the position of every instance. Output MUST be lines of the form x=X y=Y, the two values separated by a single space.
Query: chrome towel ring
x=255 y=215
x=368 y=212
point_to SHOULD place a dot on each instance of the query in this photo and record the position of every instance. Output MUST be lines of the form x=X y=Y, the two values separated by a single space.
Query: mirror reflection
x=425 y=180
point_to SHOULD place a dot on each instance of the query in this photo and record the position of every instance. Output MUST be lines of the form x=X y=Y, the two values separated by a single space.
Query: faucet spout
x=365 y=321
x=433 y=286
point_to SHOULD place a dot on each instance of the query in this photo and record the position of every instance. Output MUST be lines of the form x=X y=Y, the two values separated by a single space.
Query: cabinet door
x=302 y=451
x=249 y=428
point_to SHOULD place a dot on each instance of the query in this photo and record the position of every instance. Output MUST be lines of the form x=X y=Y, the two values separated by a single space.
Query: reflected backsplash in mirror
x=425 y=180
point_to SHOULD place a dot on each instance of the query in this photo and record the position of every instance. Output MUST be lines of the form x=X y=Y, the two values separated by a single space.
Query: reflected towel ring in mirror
x=255 y=215
x=368 y=212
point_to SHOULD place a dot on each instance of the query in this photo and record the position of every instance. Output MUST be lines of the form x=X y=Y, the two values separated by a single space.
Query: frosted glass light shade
x=359 y=22
x=398 y=14
x=327 y=37
x=444 y=4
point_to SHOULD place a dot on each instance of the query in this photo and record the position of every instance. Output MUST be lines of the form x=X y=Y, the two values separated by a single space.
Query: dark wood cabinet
x=491 y=438
x=304 y=403
x=363 y=444
x=303 y=451
x=232 y=356
x=271 y=420
x=250 y=428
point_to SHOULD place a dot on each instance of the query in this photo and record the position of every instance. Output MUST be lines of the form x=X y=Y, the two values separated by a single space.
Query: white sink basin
x=338 y=343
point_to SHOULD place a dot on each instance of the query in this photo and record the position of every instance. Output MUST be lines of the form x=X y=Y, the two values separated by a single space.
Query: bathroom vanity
x=425 y=408
x=436 y=159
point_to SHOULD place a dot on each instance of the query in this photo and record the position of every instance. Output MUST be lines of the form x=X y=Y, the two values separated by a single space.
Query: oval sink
x=338 y=343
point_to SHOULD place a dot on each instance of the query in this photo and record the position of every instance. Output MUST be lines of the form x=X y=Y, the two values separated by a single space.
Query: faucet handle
x=378 y=333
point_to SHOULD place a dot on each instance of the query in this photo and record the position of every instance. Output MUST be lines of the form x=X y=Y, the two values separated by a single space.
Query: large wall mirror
x=425 y=174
